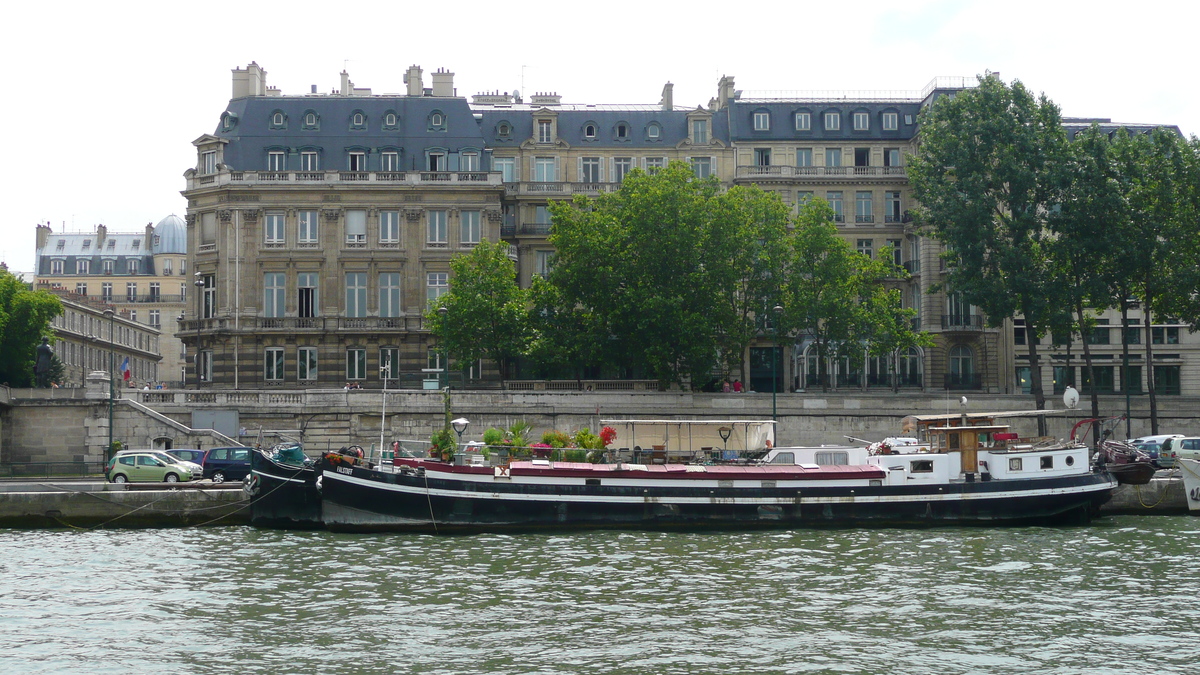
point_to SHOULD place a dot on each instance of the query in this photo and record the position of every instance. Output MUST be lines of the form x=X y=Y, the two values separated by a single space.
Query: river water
x=1119 y=596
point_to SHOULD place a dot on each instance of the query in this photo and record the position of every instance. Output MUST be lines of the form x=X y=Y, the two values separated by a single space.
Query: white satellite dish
x=1071 y=397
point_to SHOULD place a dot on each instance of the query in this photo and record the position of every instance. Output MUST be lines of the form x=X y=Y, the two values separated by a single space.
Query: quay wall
x=56 y=426
x=75 y=504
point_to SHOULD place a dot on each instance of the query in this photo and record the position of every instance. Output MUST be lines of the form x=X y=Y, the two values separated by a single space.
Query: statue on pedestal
x=41 y=367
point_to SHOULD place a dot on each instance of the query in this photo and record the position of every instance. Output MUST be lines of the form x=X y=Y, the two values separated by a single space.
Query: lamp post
x=199 y=301
x=183 y=365
x=725 y=433
x=111 y=387
x=460 y=425
x=386 y=371
x=777 y=311
x=444 y=313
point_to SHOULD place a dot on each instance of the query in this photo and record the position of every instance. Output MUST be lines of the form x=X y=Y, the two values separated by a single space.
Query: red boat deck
x=662 y=471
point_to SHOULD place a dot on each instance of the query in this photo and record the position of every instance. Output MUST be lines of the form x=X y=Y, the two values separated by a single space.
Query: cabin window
x=593 y=481
x=1014 y=463
x=921 y=466
x=784 y=458
x=1070 y=460
x=953 y=440
x=875 y=482
x=768 y=483
x=833 y=458
x=1048 y=462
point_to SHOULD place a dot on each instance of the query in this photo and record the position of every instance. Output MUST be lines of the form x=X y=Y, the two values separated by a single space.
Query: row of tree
x=1055 y=229
x=672 y=277
x=25 y=317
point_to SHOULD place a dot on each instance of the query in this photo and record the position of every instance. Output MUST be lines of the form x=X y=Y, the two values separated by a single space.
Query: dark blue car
x=222 y=464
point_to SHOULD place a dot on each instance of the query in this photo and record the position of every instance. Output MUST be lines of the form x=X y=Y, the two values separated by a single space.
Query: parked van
x=222 y=464
x=1187 y=447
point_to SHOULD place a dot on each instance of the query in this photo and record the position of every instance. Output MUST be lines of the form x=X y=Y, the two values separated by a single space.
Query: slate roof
x=573 y=120
x=116 y=246
x=783 y=127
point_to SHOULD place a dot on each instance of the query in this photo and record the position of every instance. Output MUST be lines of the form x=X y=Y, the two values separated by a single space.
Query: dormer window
x=653 y=131
x=312 y=121
x=833 y=121
x=803 y=121
x=137 y=243
x=278 y=120
x=358 y=120
x=208 y=162
x=87 y=244
x=390 y=120
x=862 y=121
x=112 y=243
x=891 y=121
x=108 y=266
x=762 y=121
x=622 y=131
x=228 y=121
x=62 y=243
x=589 y=131
x=700 y=132
x=545 y=135
x=504 y=130
x=437 y=121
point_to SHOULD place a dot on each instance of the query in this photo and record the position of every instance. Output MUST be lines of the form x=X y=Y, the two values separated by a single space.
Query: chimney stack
x=443 y=83
x=249 y=82
x=347 y=85
x=668 y=97
x=413 y=79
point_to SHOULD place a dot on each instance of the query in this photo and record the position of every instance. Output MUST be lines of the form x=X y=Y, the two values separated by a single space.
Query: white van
x=1187 y=447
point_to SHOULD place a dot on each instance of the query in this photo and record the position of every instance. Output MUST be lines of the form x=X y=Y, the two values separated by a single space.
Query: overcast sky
x=105 y=98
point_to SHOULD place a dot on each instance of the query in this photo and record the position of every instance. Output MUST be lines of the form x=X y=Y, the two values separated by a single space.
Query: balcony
x=251 y=324
x=161 y=297
x=838 y=172
x=391 y=178
x=534 y=228
x=558 y=189
x=960 y=322
x=962 y=381
x=864 y=218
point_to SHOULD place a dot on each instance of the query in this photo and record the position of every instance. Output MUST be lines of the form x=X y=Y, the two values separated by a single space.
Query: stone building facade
x=92 y=335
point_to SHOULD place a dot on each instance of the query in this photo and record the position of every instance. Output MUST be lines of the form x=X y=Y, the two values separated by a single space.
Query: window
x=436 y=160
x=864 y=209
x=893 y=207
x=833 y=156
x=276 y=161
x=389 y=227
x=433 y=359
x=507 y=168
x=274 y=229
x=1099 y=334
x=306 y=363
x=204 y=361
x=306 y=286
x=131 y=266
x=56 y=267
x=762 y=157
x=804 y=157
x=437 y=121
x=277 y=120
x=862 y=121
x=208 y=162
x=356 y=226
x=357 y=161
x=1161 y=335
x=541 y=215
x=803 y=121
x=470 y=227
x=390 y=120
x=389 y=161
x=166 y=267
x=503 y=130
x=908 y=119
x=273 y=364
x=1166 y=380
x=106 y=291
x=358 y=121
x=308 y=227
x=208 y=228
x=653 y=131
x=702 y=166
x=1023 y=379
x=155 y=291
x=891 y=121
x=1014 y=463
x=131 y=291
x=81 y=288
x=589 y=170
x=468 y=161
x=156 y=318
x=891 y=156
x=833 y=121
x=437 y=227
x=589 y=131
x=274 y=287
x=389 y=363
x=1131 y=379
x=309 y=161
x=437 y=284
x=356 y=363
x=834 y=197
x=1105 y=379
x=356 y=294
x=803 y=197
x=897 y=248
x=622 y=131
x=866 y=247
x=655 y=164
x=543 y=262
x=544 y=133
x=962 y=365
x=621 y=167
x=544 y=170
x=762 y=121
x=389 y=294
x=700 y=131
x=82 y=266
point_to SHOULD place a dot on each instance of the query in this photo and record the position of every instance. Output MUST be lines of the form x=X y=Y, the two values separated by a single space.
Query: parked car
x=189 y=454
x=1152 y=446
x=1187 y=447
x=146 y=466
x=222 y=464
x=167 y=457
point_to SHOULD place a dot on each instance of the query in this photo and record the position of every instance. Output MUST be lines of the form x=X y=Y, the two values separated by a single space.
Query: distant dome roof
x=170 y=235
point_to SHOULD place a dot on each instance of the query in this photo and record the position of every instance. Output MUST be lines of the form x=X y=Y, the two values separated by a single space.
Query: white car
x=196 y=469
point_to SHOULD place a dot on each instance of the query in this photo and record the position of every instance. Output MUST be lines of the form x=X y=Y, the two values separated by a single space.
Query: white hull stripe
x=264 y=474
x=801 y=497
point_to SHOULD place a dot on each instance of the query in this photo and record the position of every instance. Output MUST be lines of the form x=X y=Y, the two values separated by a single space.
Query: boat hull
x=283 y=495
x=361 y=499
x=1190 y=469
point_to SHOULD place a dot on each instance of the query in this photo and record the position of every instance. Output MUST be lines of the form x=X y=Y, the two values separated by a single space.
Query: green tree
x=25 y=317
x=837 y=296
x=486 y=312
x=988 y=175
x=666 y=274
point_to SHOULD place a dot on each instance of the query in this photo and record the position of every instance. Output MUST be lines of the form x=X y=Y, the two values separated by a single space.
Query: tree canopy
x=25 y=317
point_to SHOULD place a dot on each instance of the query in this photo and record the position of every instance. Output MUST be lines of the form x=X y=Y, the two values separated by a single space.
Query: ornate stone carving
x=494 y=215
x=412 y=215
x=190 y=219
x=331 y=215
x=250 y=215
x=225 y=215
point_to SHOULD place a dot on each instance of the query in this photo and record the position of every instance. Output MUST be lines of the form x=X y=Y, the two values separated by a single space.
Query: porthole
x=1070 y=460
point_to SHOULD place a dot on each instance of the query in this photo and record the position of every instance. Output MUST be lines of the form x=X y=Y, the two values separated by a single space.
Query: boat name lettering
x=346 y=470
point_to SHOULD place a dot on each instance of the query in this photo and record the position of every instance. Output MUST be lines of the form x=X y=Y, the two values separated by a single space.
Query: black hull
x=370 y=500
x=282 y=495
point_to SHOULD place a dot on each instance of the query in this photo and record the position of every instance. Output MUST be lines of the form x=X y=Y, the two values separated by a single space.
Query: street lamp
x=183 y=365
x=111 y=387
x=199 y=300
x=443 y=312
x=777 y=310
x=725 y=433
x=460 y=425
x=385 y=371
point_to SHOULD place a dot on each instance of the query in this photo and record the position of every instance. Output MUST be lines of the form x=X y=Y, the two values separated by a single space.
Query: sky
x=105 y=98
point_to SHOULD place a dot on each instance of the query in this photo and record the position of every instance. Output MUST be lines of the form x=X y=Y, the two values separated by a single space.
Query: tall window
x=208 y=228
x=356 y=226
x=699 y=131
x=106 y=291
x=962 y=365
x=389 y=294
x=804 y=157
x=273 y=364
x=208 y=162
x=762 y=121
x=166 y=267
x=803 y=121
x=356 y=363
x=543 y=262
x=56 y=267
x=621 y=167
x=155 y=291
x=357 y=161
x=274 y=229
x=543 y=170
x=276 y=161
x=156 y=318
x=864 y=207
x=308 y=227
x=389 y=363
x=866 y=247
x=589 y=170
x=437 y=284
x=309 y=161
x=306 y=284
x=833 y=156
x=862 y=121
x=891 y=156
x=356 y=294
x=389 y=161
x=834 y=197
x=897 y=248
x=893 y=207
x=81 y=288
x=131 y=291
x=436 y=161
x=389 y=227
x=655 y=164
x=544 y=134
x=507 y=168
x=702 y=166
x=274 y=298
x=470 y=227
x=437 y=227
x=762 y=157
x=306 y=363
x=468 y=161
x=83 y=266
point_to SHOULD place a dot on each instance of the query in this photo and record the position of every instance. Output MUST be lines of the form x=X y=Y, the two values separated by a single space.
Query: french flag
x=125 y=369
